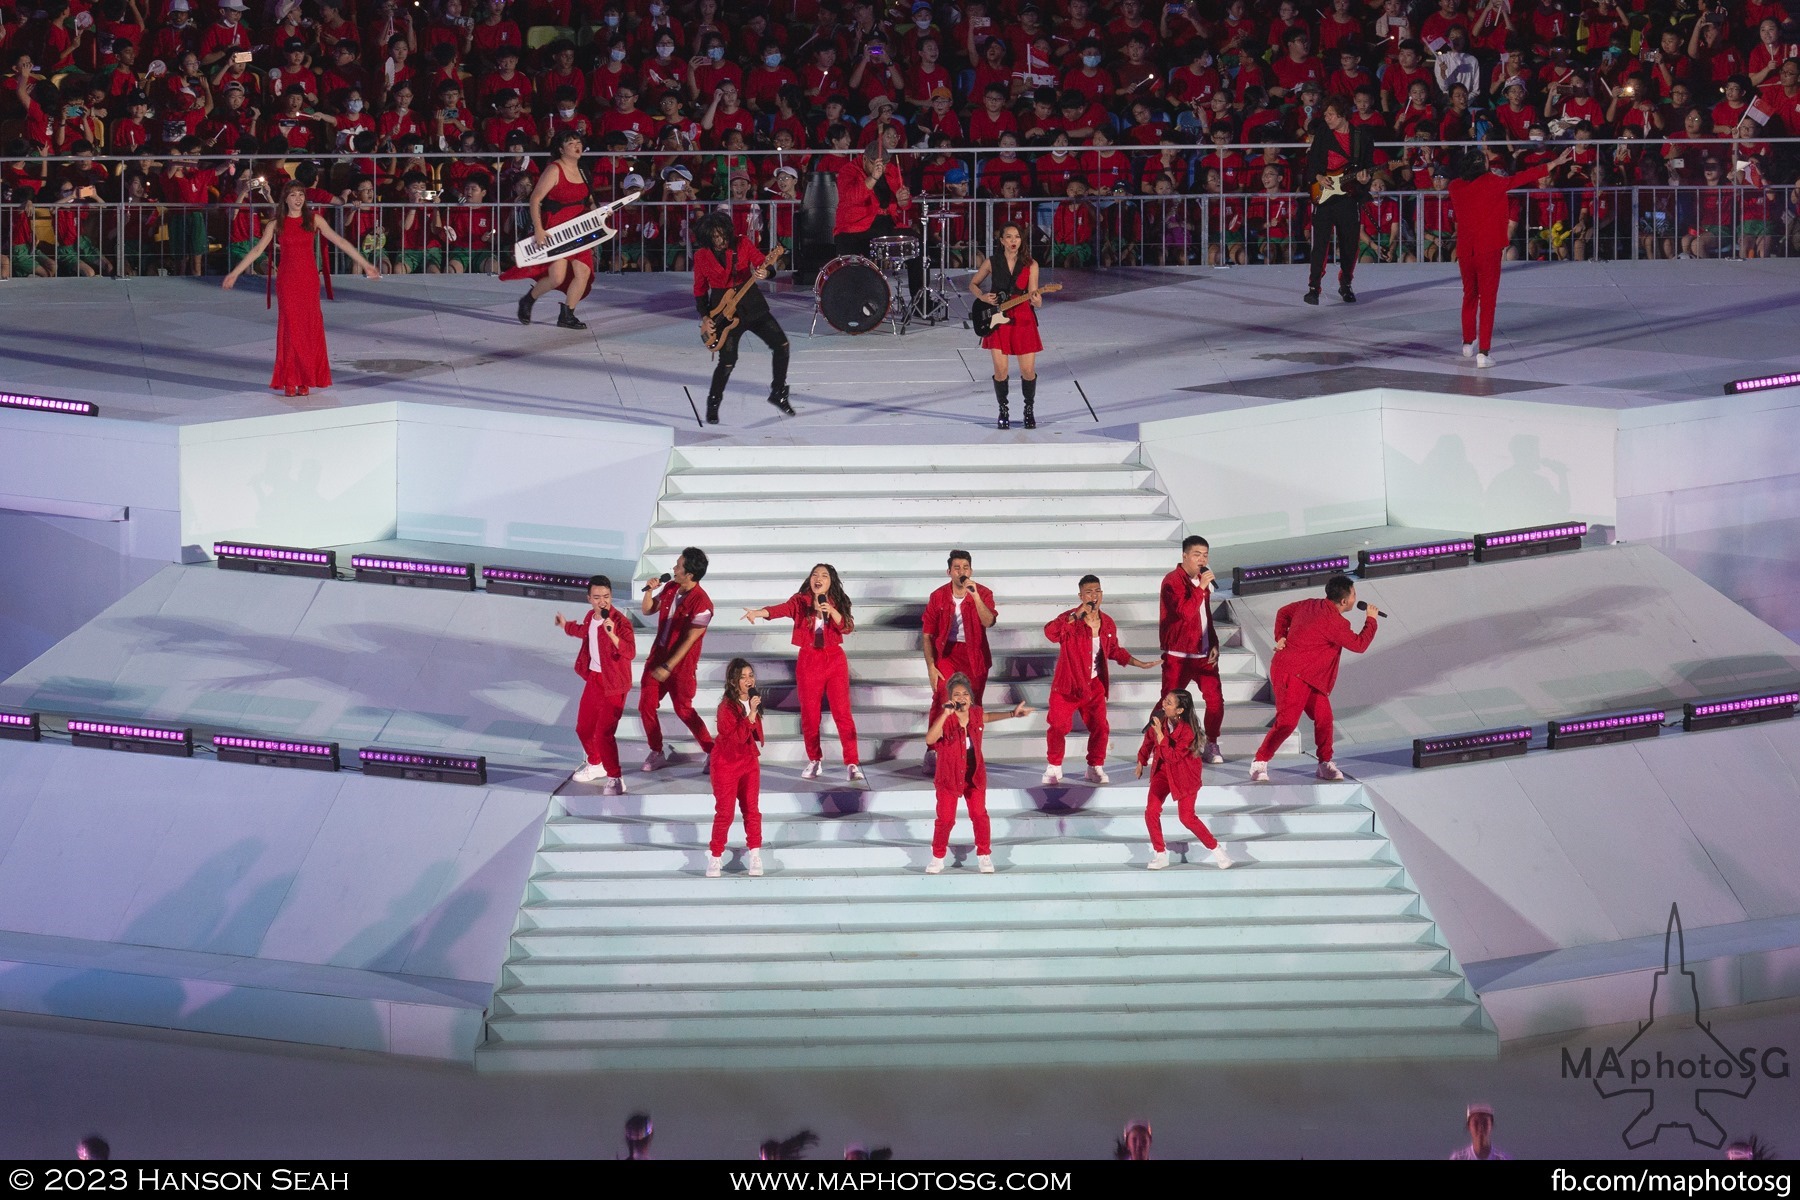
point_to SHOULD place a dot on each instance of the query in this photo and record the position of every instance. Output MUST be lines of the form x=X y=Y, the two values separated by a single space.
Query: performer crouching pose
x=737 y=768
x=820 y=611
x=1169 y=740
x=962 y=770
x=1086 y=640
x=724 y=261
x=1309 y=638
x=608 y=644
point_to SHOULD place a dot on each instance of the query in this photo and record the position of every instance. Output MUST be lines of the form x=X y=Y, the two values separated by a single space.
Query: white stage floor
x=1139 y=341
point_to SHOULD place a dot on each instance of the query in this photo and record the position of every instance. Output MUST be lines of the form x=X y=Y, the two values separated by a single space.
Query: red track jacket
x=938 y=623
x=1176 y=762
x=799 y=606
x=1316 y=633
x=1481 y=209
x=738 y=742
x=1075 y=658
x=614 y=672
x=1178 y=614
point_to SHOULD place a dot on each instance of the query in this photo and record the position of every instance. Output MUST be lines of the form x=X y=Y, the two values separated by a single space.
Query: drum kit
x=856 y=294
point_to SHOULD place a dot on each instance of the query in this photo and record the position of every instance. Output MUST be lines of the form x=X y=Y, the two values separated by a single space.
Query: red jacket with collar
x=1481 y=208
x=1316 y=633
x=738 y=743
x=1175 y=760
x=953 y=753
x=939 y=623
x=1075 y=658
x=695 y=613
x=613 y=672
x=1178 y=614
x=799 y=606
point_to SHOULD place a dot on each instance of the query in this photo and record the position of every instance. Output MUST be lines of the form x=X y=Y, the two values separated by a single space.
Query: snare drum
x=853 y=294
x=891 y=253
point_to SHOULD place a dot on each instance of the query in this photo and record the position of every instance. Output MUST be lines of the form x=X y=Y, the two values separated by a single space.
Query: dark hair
x=835 y=593
x=1192 y=540
x=595 y=581
x=958 y=680
x=638 y=1128
x=695 y=560
x=787 y=1150
x=1474 y=164
x=1087 y=579
x=1184 y=699
x=713 y=222
x=962 y=554
x=733 y=669
x=1339 y=586
x=95 y=1148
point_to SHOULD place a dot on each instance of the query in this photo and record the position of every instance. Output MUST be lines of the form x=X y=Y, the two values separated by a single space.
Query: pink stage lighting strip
x=1594 y=724
x=79 y=408
x=1313 y=566
x=1514 y=537
x=413 y=565
x=271 y=553
x=1473 y=741
x=1761 y=383
x=1422 y=550
x=1746 y=704
x=148 y=733
x=274 y=746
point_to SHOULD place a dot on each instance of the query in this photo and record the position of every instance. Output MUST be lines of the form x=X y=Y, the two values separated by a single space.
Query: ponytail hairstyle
x=734 y=670
x=958 y=680
x=1184 y=700
x=839 y=598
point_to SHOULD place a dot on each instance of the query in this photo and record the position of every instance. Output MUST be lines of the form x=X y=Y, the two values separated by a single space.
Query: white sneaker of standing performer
x=813 y=767
x=854 y=774
x=1484 y=360
x=1468 y=349
x=1259 y=772
x=1052 y=774
x=715 y=863
x=656 y=761
x=984 y=863
x=1212 y=753
x=614 y=786
x=1219 y=856
x=1329 y=770
x=753 y=862
x=1097 y=776
x=589 y=772
x=935 y=867
x=1158 y=860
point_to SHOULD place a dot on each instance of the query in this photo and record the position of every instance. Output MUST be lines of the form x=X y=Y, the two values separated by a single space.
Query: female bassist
x=1008 y=274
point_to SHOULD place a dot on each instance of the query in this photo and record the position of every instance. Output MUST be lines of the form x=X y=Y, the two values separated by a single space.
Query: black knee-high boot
x=1028 y=388
x=1000 y=389
x=716 y=393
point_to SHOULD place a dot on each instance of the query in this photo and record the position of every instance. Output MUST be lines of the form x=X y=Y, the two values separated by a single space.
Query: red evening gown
x=301 y=360
x=566 y=200
x=1020 y=333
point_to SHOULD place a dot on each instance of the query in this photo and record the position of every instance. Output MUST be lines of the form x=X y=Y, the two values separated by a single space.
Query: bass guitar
x=987 y=317
x=724 y=316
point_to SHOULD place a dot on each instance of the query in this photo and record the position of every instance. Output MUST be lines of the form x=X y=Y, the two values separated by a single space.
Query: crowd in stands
x=419 y=120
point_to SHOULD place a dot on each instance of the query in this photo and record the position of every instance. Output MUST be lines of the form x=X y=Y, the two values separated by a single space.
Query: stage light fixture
x=276 y=752
x=430 y=768
x=1521 y=543
x=275 y=560
x=76 y=408
x=1739 y=710
x=1482 y=744
x=538 y=585
x=1609 y=727
x=1405 y=560
x=1279 y=577
x=414 y=572
x=139 y=739
x=19 y=727
x=1762 y=383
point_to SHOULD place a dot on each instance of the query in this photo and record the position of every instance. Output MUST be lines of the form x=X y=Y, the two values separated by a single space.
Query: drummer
x=872 y=203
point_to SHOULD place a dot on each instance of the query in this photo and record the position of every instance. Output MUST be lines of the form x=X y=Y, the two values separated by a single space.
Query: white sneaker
x=1329 y=770
x=656 y=761
x=854 y=774
x=1219 y=856
x=813 y=767
x=1212 y=753
x=1052 y=775
x=935 y=867
x=1468 y=349
x=589 y=772
x=1158 y=861
x=714 y=865
x=1098 y=776
x=984 y=863
x=1484 y=360
x=1259 y=772
x=753 y=862
x=613 y=787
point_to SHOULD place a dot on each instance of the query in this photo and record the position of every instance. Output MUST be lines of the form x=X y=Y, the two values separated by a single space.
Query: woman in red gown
x=1012 y=273
x=565 y=192
x=301 y=360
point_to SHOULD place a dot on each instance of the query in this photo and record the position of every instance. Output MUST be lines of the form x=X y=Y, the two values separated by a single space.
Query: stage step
x=832 y=484
x=881 y=509
x=981 y=467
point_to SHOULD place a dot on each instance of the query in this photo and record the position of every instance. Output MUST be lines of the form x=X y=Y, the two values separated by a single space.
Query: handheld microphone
x=664 y=578
x=1364 y=605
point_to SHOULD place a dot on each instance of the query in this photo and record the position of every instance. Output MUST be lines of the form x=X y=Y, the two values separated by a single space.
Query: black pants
x=765 y=326
x=1337 y=214
x=858 y=243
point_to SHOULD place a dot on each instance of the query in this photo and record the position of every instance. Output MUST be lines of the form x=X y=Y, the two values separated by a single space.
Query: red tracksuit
x=603 y=697
x=969 y=654
x=1303 y=672
x=1176 y=772
x=1080 y=684
x=1187 y=641
x=676 y=614
x=736 y=776
x=961 y=775
x=1481 y=211
x=823 y=674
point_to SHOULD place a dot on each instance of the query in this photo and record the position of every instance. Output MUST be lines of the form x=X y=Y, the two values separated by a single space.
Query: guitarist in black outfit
x=724 y=261
x=1342 y=155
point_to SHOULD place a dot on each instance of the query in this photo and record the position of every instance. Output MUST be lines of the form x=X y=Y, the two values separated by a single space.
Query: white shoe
x=854 y=774
x=1329 y=770
x=1468 y=349
x=1052 y=775
x=1259 y=772
x=656 y=761
x=753 y=862
x=1158 y=861
x=984 y=863
x=714 y=865
x=1097 y=776
x=935 y=867
x=589 y=773
x=813 y=767
x=1484 y=360
x=1212 y=753
x=1219 y=856
x=613 y=787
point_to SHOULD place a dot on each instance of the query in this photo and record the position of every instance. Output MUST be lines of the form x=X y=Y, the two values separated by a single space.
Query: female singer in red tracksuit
x=1478 y=200
x=737 y=768
x=608 y=645
x=1169 y=740
x=1310 y=636
x=962 y=771
x=820 y=611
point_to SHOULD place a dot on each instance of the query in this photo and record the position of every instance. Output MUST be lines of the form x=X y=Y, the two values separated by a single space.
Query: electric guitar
x=1331 y=185
x=724 y=316
x=988 y=317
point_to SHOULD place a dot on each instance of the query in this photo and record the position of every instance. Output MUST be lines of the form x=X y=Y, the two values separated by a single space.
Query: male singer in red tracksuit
x=683 y=611
x=1309 y=637
x=957 y=618
x=608 y=644
x=1478 y=201
x=1086 y=640
x=1189 y=635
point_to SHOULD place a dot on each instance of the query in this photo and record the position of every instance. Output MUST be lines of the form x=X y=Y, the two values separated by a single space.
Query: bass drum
x=853 y=294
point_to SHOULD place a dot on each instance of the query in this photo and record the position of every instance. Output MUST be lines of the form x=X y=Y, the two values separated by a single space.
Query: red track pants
x=1179 y=672
x=733 y=790
x=1092 y=708
x=597 y=725
x=824 y=676
x=1292 y=698
x=680 y=687
x=1184 y=808
x=976 y=796
x=960 y=658
x=1481 y=289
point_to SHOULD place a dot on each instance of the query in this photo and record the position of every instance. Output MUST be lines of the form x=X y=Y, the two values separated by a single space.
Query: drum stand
x=938 y=301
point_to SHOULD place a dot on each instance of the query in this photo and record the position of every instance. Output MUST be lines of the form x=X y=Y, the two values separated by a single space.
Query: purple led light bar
x=274 y=745
x=1422 y=550
x=1471 y=741
x=1744 y=704
x=18 y=720
x=1654 y=716
x=80 y=408
x=405 y=759
x=1761 y=383
x=547 y=578
x=1514 y=537
x=272 y=553
x=363 y=562
x=144 y=732
x=1312 y=566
